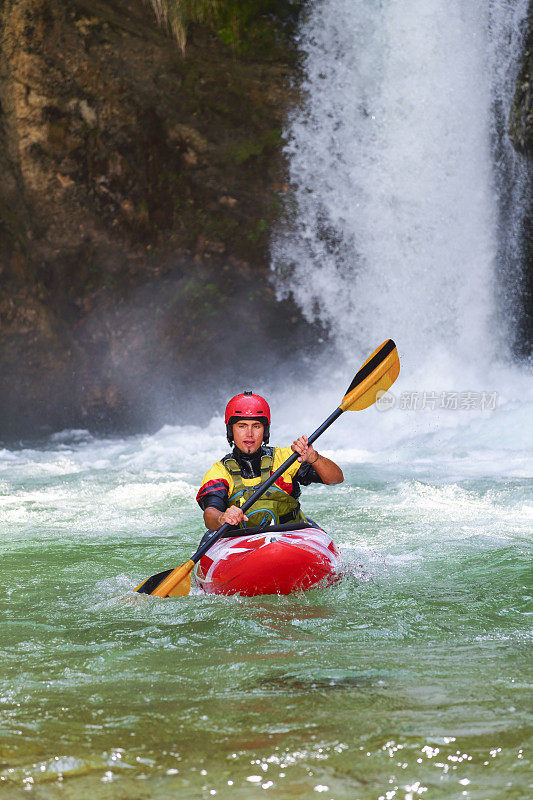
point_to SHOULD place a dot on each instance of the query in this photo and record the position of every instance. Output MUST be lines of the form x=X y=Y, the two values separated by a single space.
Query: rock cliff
x=521 y=121
x=521 y=135
x=139 y=186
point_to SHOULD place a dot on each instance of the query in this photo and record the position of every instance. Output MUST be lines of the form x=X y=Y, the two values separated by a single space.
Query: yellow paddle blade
x=177 y=583
x=375 y=377
x=182 y=588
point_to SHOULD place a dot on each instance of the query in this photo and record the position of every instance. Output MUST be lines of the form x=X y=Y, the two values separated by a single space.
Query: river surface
x=409 y=678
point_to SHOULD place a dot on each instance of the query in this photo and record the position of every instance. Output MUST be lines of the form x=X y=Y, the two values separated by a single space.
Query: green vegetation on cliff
x=263 y=24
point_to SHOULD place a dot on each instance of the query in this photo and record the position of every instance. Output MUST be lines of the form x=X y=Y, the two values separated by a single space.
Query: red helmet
x=247 y=406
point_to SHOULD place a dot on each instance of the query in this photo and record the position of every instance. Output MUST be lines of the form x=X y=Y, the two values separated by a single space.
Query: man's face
x=248 y=435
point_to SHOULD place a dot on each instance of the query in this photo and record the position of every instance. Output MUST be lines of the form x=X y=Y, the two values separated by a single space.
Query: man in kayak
x=233 y=479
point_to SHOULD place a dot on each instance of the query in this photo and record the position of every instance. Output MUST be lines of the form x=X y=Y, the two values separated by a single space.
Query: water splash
x=395 y=224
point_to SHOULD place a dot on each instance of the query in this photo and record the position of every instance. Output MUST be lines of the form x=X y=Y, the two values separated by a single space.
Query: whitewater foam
x=396 y=230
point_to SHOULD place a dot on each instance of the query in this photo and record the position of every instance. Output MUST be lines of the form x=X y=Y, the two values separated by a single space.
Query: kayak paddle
x=377 y=374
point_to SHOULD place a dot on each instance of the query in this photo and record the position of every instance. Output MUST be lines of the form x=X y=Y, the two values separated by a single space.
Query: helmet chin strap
x=249 y=452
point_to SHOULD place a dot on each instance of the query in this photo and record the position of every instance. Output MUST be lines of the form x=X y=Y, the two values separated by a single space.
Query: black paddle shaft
x=264 y=486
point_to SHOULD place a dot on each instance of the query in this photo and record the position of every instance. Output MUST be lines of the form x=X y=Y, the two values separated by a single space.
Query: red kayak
x=277 y=560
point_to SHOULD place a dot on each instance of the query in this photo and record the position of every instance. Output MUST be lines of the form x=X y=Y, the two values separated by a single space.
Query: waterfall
x=393 y=225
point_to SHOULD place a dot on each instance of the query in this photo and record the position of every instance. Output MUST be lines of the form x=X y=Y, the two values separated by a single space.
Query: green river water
x=409 y=678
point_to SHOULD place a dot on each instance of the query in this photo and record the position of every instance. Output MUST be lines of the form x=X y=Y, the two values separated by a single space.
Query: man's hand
x=232 y=516
x=327 y=469
x=306 y=451
x=215 y=519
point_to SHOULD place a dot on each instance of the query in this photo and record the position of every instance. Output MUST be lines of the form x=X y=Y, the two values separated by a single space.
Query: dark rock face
x=138 y=188
x=521 y=135
x=521 y=121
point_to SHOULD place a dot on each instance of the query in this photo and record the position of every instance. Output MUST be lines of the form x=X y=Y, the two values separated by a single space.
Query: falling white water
x=395 y=223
